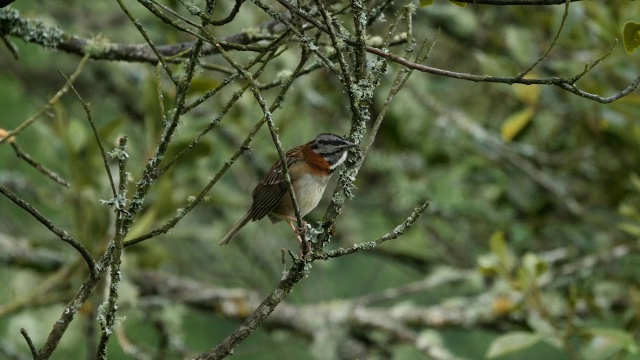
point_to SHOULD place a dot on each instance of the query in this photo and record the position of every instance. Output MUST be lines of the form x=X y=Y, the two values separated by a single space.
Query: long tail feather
x=234 y=230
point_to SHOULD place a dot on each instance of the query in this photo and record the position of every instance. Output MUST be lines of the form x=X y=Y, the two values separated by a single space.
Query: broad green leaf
x=514 y=124
x=511 y=343
x=631 y=36
x=547 y=331
x=424 y=3
x=606 y=342
x=629 y=211
x=630 y=228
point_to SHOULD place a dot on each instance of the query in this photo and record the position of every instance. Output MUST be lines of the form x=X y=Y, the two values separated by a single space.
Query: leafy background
x=513 y=172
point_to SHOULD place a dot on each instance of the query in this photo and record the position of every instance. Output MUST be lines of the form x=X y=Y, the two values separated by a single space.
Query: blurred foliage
x=487 y=213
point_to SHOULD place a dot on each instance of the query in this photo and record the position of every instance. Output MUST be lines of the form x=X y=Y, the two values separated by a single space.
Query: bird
x=310 y=167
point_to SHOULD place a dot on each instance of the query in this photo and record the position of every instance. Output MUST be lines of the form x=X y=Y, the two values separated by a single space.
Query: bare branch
x=563 y=83
x=286 y=85
x=107 y=312
x=33 y=31
x=41 y=168
x=54 y=229
x=68 y=314
x=395 y=233
x=296 y=273
x=515 y=2
x=144 y=34
x=27 y=338
x=48 y=105
x=553 y=42
x=87 y=111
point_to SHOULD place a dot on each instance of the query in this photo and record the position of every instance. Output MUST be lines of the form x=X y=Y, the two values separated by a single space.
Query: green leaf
x=606 y=342
x=458 y=3
x=630 y=228
x=506 y=261
x=498 y=244
x=488 y=264
x=631 y=36
x=514 y=124
x=201 y=84
x=547 y=331
x=511 y=343
x=424 y=3
x=635 y=180
x=533 y=264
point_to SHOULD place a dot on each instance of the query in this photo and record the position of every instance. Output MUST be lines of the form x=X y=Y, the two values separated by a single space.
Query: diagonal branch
x=54 y=229
x=41 y=168
x=296 y=273
x=394 y=234
x=48 y=105
x=87 y=111
x=286 y=85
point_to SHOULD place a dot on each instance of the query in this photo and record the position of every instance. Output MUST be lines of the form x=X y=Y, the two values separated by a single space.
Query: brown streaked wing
x=265 y=199
x=271 y=189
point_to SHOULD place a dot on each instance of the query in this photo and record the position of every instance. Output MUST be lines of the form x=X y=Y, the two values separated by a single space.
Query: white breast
x=309 y=189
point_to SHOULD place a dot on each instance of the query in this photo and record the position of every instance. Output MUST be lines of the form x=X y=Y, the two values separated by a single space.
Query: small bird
x=310 y=167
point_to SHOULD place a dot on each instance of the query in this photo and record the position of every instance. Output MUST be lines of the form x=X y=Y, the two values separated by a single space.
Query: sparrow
x=310 y=167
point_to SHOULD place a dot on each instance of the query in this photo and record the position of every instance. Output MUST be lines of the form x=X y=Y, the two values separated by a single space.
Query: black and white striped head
x=332 y=148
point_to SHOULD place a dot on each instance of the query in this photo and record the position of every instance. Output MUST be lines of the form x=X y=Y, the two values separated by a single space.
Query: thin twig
x=87 y=111
x=307 y=43
x=41 y=168
x=515 y=2
x=243 y=148
x=294 y=275
x=13 y=49
x=563 y=83
x=49 y=104
x=146 y=37
x=227 y=107
x=553 y=42
x=32 y=348
x=207 y=18
x=54 y=229
x=345 y=74
x=150 y=172
x=395 y=233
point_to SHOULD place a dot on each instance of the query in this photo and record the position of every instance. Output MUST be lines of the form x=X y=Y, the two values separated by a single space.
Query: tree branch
x=567 y=84
x=54 y=229
x=515 y=2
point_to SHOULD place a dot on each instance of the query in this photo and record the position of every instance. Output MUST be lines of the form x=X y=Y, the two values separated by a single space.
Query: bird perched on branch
x=310 y=167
